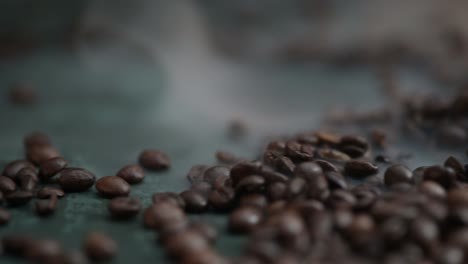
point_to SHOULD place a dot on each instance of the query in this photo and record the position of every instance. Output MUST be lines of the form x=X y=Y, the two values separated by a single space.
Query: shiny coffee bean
x=213 y=173
x=12 y=168
x=185 y=243
x=124 y=207
x=227 y=157
x=163 y=213
x=112 y=186
x=196 y=173
x=7 y=185
x=51 y=167
x=360 y=169
x=169 y=197
x=204 y=257
x=244 y=169
x=397 y=174
x=131 y=174
x=100 y=247
x=194 y=202
x=76 y=180
x=336 y=180
x=443 y=176
x=308 y=171
x=27 y=179
x=222 y=198
x=244 y=219
x=18 y=198
x=5 y=216
x=252 y=183
x=153 y=159
x=432 y=189
x=47 y=191
x=277 y=191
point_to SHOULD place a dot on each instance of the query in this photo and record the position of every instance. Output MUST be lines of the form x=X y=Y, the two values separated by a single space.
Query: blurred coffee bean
x=163 y=213
x=132 y=174
x=194 y=202
x=360 y=169
x=7 y=185
x=38 y=154
x=47 y=191
x=196 y=173
x=254 y=199
x=51 y=167
x=124 y=207
x=100 y=247
x=36 y=139
x=12 y=168
x=168 y=197
x=112 y=186
x=44 y=251
x=397 y=174
x=18 y=198
x=244 y=219
x=153 y=159
x=46 y=207
x=208 y=231
x=185 y=243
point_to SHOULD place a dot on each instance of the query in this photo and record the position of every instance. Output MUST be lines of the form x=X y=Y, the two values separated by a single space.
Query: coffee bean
x=277 y=191
x=196 y=173
x=5 y=216
x=18 y=198
x=299 y=152
x=44 y=251
x=153 y=159
x=244 y=169
x=354 y=140
x=131 y=174
x=397 y=174
x=360 y=169
x=296 y=187
x=341 y=198
x=100 y=247
x=285 y=165
x=451 y=135
x=112 y=186
x=7 y=185
x=12 y=168
x=124 y=207
x=365 y=199
x=51 y=167
x=277 y=146
x=326 y=166
x=227 y=157
x=457 y=197
x=76 y=180
x=47 y=191
x=185 y=243
x=203 y=188
x=16 y=245
x=194 y=201
x=38 y=154
x=382 y=159
x=163 y=213
x=424 y=231
x=333 y=155
x=23 y=94
x=252 y=183
x=327 y=138
x=456 y=165
x=360 y=229
x=441 y=175
x=432 y=189
x=318 y=188
x=46 y=207
x=336 y=180
x=211 y=174
x=308 y=171
x=222 y=198
x=36 y=139
x=169 y=197
x=253 y=200
x=208 y=231
x=244 y=219
x=28 y=179
x=272 y=176
x=204 y=257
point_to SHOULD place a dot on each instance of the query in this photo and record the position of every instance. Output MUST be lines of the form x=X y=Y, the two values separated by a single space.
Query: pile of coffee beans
x=315 y=197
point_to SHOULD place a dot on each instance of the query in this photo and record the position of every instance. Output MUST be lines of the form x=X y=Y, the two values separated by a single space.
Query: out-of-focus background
x=114 y=77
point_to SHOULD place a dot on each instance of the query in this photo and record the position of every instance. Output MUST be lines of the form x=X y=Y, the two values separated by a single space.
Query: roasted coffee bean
x=457 y=198
x=318 y=188
x=12 y=168
x=124 y=207
x=36 y=139
x=100 y=247
x=327 y=138
x=285 y=165
x=326 y=166
x=186 y=243
x=44 y=251
x=153 y=159
x=308 y=170
x=222 y=198
x=360 y=169
x=253 y=200
x=341 y=198
x=222 y=182
x=208 y=231
x=272 y=176
x=46 y=207
x=227 y=157
x=336 y=180
x=7 y=185
x=163 y=213
x=354 y=140
x=27 y=179
x=252 y=183
x=5 y=216
x=244 y=219
x=296 y=187
x=456 y=165
x=194 y=202
x=432 y=189
x=333 y=155
x=397 y=174
x=16 y=245
x=365 y=199
x=277 y=191
x=276 y=207
x=353 y=151
x=299 y=152
x=38 y=154
x=276 y=145
x=443 y=176
x=112 y=186
x=76 y=180
x=196 y=173
x=361 y=229
x=51 y=167
x=306 y=207
x=18 y=198
x=131 y=174
x=204 y=257
x=202 y=187
x=47 y=191
x=168 y=197
x=306 y=138
x=212 y=173
x=424 y=231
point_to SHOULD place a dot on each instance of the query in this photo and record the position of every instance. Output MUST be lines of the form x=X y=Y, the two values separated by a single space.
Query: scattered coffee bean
x=196 y=173
x=211 y=174
x=155 y=160
x=124 y=207
x=206 y=230
x=12 y=168
x=76 y=180
x=46 y=207
x=7 y=185
x=254 y=200
x=51 y=167
x=194 y=201
x=203 y=188
x=28 y=179
x=222 y=198
x=185 y=243
x=244 y=219
x=252 y=183
x=112 y=186
x=18 y=198
x=47 y=191
x=5 y=216
x=360 y=169
x=308 y=171
x=38 y=154
x=163 y=213
x=100 y=247
x=397 y=174
x=227 y=157
x=131 y=174
x=169 y=197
